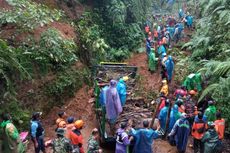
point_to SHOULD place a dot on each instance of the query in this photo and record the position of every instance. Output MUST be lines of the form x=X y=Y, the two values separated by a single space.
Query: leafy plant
x=28 y=15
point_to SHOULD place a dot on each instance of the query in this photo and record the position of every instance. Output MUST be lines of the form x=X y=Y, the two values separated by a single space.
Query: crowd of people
x=179 y=116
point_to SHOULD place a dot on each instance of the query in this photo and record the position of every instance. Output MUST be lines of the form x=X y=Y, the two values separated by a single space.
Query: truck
x=135 y=109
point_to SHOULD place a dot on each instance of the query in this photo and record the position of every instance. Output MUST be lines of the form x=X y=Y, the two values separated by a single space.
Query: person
x=189 y=20
x=121 y=89
x=152 y=61
x=93 y=145
x=164 y=74
x=180 y=92
x=174 y=116
x=164 y=88
x=163 y=115
x=170 y=67
x=103 y=95
x=61 y=119
x=61 y=144
x=76 y=136
x=181 y=131
x=161 y=50
x=11 y=140
x=198 y=130
x=190 y=109
x=70 y=126
x=148 y=47
x=180 y=103
x=144 y=138
x=37 y=133
x=219 y=125
x=211 y=141
x=181 y=14
x=113 y=104
x=122 y=139
x=210 y=112
x=178 y=31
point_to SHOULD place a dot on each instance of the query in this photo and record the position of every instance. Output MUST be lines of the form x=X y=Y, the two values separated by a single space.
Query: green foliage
x=66 y=83
x=93 y=46
x=55 y=49
x=28 y=15
x=210 y=46
x=52 y=51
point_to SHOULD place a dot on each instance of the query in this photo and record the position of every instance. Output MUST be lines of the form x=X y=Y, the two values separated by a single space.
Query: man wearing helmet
x=76 y=137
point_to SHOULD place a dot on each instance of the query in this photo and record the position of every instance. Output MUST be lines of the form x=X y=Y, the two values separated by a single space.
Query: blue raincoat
x=189 y=19
x=121 y=88
x=174 y=116
x=102 y=96
x=161 y=50
x=143 y=140
x=170 y=67
x=163 y=116
x=148 y=48
x=181 y=130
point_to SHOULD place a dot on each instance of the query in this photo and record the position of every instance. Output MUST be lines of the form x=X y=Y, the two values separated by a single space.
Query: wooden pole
x=155 y=113
x=167 y=121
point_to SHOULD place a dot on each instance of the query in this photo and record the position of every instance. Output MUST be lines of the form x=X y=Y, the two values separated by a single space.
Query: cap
x=79 y=124
x=164 y=54
x=60 y=131
x=210 y=102
x=36 y=114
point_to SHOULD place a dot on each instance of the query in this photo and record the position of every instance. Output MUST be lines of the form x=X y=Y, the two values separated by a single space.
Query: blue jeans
x=41 y=144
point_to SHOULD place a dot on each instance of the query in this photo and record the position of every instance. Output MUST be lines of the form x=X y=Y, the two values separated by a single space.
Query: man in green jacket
x=211 y=141
x=210 y=112
x=11 y=141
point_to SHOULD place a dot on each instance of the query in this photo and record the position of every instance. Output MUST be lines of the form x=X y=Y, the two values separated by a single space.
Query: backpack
x=59 y=145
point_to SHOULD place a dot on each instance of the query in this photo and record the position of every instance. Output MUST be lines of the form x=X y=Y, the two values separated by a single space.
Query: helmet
x=125 y=78
x=62 y=124
x=164 y=81
x=70 y=119
x=79 y=124
x=192 y=92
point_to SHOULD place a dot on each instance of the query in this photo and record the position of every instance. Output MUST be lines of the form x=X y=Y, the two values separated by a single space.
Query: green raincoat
x=211 y=142
x=152 y=61
x=12 y=142
x=210 y=112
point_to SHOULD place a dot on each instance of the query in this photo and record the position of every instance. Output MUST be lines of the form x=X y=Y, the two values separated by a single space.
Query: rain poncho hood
x=121 y=88
x=210 y=112
x=113 y=103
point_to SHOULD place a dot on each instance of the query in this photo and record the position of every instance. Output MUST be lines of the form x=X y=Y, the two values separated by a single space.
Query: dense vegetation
x=43 y=70
x=211 y=51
